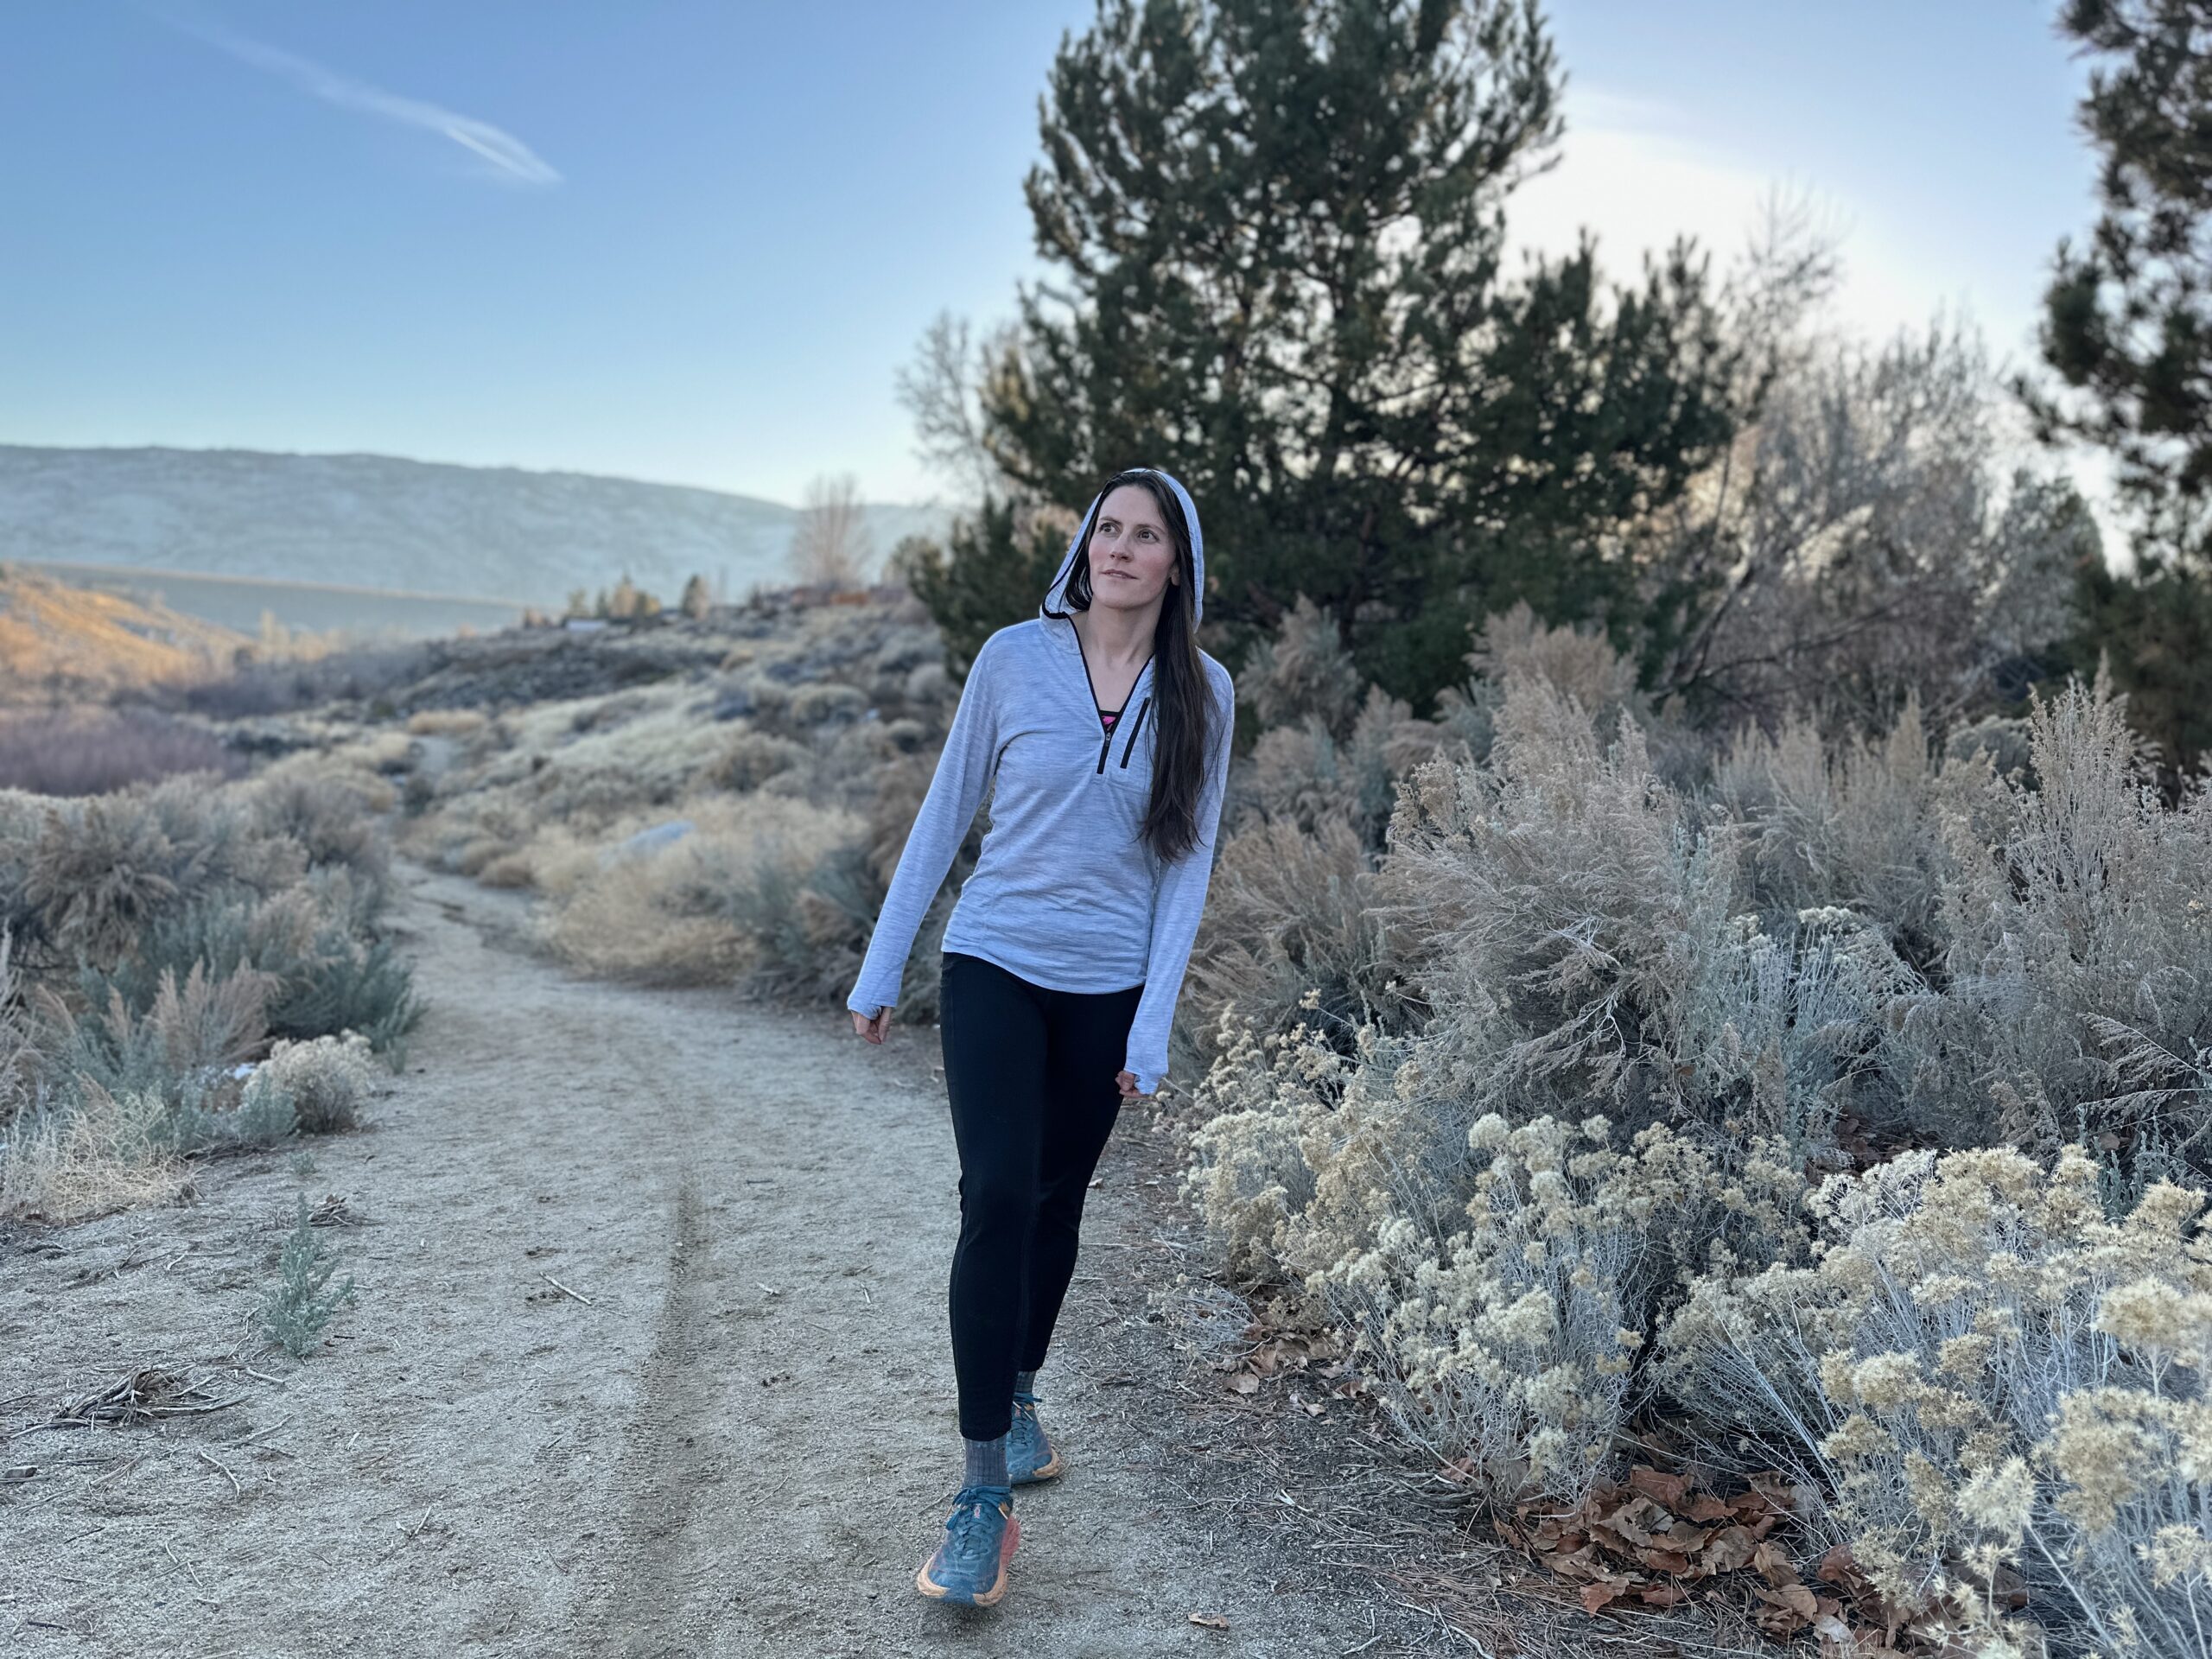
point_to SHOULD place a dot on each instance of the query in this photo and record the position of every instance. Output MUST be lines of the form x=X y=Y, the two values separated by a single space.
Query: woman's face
x=1132 y=555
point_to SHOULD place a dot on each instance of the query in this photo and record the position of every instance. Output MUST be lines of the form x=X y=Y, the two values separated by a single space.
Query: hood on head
x=1055 y=600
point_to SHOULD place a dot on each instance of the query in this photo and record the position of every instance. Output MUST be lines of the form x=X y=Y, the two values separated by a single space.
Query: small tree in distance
x=829 y=543
x=696 y=601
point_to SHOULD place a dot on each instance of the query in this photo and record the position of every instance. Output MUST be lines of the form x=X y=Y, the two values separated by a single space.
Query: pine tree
x=1279 y=224
x=2127 y=318
x=695 y=601
x=2127 y=333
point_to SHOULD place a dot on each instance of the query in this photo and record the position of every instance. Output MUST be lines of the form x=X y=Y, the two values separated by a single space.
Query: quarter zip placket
x=1106 y=738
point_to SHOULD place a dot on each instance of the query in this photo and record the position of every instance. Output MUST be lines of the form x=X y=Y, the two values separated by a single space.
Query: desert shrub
x=271 y=687
x=186 y=1030
x=1291 y=914
x=95 y=751
x=1586 y=941
x=1578 y=662
x=1306 y=775
x=1988 y=1376
x=724 y=900
x=1852 y=825
x=91 y=878
x=750 y=759
x=820 y=704
x=353 y=984
x=321 y=1082
x=334 y=823
x=1302 y=672
x=1502 y=1278
x=311 y=942
x=2077 y=935
x=98 y=872
x=178 y=1052
x=219 y=841
x=804 y=918
x=299 y=1306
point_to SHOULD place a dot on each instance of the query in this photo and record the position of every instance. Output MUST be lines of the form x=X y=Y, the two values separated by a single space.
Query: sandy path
x=742 y=1446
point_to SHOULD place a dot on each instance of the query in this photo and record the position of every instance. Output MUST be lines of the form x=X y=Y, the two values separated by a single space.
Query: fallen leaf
x=1664 y=1595
x=1604 y=1594
x=1244 y=1382
x=1635 y=1521
x=1662 y=1489
x=1730 y=1548
x=1211 y=1621
x=1795 y=1596
x=1773 y=1566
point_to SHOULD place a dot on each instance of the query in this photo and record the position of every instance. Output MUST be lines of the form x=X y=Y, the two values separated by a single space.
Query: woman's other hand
x=1129 y=1083
x=871 y=1027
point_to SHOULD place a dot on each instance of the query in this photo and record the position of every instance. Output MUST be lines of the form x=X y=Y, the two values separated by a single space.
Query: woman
x=1104 y=732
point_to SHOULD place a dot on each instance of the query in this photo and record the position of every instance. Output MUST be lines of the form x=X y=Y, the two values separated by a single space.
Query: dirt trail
x=736 y=1436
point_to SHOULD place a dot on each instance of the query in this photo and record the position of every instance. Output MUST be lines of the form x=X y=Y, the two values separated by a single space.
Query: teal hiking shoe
x=1029 y=1453
x=969 y=1566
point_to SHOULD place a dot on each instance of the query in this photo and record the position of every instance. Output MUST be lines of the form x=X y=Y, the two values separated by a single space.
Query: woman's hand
x=1128 y=1080
x=871 y=1027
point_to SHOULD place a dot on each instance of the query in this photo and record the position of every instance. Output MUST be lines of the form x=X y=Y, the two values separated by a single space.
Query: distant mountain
x=489 y=533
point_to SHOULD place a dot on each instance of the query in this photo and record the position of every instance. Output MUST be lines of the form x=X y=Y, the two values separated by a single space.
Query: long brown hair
x=1183 y=711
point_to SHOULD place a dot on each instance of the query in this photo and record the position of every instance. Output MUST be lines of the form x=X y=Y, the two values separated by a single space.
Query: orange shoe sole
x=937 y=1592
x=1045 y=1471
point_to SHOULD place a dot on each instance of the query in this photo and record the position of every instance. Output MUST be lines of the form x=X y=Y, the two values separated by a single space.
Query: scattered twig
x=237 y=1490
x=563 y=1289
x=123 y=1466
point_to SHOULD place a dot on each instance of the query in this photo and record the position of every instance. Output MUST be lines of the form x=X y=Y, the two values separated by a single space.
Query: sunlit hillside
x=56 y=639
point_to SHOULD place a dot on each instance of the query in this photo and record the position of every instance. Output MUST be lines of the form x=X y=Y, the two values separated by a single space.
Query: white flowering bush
x=1998 y=1386
x=1500 y=1279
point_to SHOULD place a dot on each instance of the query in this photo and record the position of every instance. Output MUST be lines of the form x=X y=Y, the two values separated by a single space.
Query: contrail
x=508 y=157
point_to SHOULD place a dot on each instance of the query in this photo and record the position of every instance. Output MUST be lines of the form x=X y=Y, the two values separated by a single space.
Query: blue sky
x=695 y=242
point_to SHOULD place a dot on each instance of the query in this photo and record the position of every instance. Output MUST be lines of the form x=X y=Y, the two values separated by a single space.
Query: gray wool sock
x=1025 y=1381
x=986 y=1462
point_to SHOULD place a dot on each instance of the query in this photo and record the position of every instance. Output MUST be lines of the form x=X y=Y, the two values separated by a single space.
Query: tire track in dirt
x=654 y=1592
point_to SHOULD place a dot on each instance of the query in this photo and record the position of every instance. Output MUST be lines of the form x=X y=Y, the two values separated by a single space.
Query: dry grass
x=673 y=916
x=93 y=1161
x=446 y=723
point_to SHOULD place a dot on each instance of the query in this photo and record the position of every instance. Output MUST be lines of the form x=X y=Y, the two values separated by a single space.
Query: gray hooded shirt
x=1065 y=892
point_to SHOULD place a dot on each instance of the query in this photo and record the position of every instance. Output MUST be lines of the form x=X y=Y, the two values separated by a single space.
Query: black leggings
x=1030 y=1073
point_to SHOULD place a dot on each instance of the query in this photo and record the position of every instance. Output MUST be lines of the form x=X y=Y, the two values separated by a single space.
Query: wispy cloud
x=505 y=157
